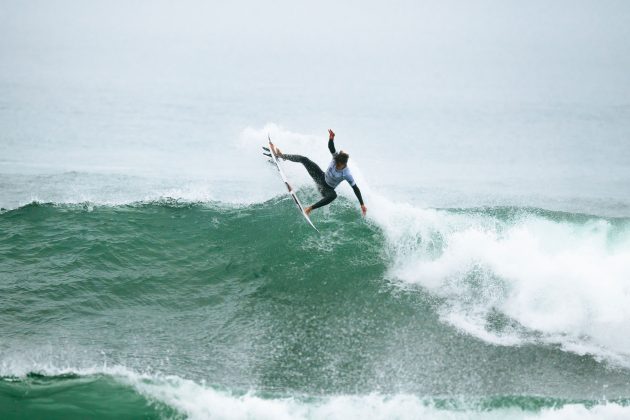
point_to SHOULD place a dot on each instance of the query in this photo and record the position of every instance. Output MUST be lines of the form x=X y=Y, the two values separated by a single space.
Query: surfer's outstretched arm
x=357 y=192
x=331 y=139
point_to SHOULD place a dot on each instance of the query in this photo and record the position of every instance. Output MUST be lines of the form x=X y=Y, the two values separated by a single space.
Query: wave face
x=209 y=310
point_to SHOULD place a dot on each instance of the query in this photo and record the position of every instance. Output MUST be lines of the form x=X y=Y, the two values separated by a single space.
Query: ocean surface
x=152 y=265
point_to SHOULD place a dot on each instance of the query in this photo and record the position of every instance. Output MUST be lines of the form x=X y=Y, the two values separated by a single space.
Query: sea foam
x=550 y=277
x=200 y=401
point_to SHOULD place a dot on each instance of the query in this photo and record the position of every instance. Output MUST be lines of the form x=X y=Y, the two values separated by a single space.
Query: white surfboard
x=274 y=159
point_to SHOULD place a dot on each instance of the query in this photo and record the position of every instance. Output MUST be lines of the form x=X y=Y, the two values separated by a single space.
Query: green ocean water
x=173 y=309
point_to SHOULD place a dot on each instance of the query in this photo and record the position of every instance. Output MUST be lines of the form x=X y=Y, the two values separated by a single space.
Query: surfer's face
x=340 y=166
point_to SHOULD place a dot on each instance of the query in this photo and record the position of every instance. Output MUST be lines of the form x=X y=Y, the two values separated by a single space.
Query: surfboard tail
x=274 y=160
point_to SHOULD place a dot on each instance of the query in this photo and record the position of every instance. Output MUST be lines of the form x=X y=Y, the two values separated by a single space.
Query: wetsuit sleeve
x=357 y=192
x=331 y=146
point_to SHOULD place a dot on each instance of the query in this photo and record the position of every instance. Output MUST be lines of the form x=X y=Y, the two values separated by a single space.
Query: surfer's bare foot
x=308 y=210
x=276 y=151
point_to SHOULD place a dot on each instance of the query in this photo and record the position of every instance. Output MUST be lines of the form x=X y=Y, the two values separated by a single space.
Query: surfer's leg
x=329 y=195
x=318 y=176
x=311 y=167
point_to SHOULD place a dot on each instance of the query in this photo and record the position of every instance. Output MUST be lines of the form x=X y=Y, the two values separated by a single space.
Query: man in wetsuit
x=327 y=182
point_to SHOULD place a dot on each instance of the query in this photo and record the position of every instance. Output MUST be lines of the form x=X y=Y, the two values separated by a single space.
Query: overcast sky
x=580 y=44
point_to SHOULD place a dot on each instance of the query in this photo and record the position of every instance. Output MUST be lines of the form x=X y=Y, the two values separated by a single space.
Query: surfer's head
x=341 y=160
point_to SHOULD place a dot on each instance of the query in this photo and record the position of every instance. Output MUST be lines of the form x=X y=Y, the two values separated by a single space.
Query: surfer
x=337 y=172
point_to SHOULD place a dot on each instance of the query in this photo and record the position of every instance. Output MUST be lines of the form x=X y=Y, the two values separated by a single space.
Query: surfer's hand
x=331 y=134
x=308 y=210
x=363 y=210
